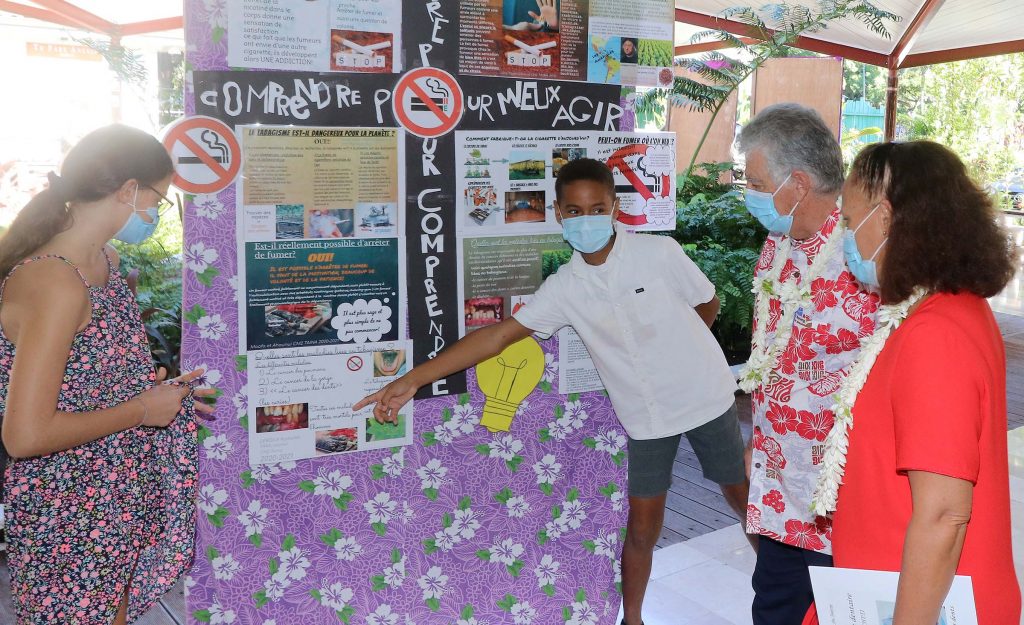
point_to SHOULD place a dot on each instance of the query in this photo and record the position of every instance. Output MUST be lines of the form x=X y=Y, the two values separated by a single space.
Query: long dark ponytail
x=96 y=167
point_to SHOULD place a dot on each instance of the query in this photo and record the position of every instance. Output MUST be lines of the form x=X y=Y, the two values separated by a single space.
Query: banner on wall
x=430 y=168
x=500 y=274
x=317 y=35
x=313 y=513
x=506 y=180
x=601 y=41
x=323 y=303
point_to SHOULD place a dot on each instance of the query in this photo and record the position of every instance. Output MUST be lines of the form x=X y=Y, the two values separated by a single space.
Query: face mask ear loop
x=779 y=188
x=864 y=221
x=792 y=210
x=879 y=248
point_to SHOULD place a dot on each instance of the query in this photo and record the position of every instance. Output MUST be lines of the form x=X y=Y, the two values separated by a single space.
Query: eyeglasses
x=165 y=203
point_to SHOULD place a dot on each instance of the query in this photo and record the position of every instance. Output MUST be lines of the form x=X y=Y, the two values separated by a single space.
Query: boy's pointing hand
x=389 y=400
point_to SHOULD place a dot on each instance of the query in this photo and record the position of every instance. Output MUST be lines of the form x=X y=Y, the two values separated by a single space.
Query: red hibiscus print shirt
x=793 y=412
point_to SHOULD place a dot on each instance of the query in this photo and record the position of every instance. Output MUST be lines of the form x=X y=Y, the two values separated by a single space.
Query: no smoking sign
x=428 y=102
x=205 y=153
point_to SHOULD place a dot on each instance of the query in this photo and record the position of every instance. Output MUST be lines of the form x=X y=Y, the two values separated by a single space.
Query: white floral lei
x=890 y=317
x=793 y=295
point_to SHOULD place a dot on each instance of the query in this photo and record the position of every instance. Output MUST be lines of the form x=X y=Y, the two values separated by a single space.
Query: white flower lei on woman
x=793 y=295
x=890 y=317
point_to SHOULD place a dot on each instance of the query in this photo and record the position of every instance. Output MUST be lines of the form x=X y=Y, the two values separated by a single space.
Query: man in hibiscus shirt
x=794 y=172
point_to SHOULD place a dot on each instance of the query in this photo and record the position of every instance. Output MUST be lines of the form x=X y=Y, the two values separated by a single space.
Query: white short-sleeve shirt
x=663 y=369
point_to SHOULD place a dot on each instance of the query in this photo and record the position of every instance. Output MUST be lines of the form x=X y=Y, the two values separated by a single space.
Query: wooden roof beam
x=708 y=46
x=151 y=26
x=79 y=16
x=920 y=21
x=963 y=54
x=37 y=13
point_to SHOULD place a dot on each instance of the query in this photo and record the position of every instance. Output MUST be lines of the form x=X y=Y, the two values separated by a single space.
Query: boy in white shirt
x=644 y=310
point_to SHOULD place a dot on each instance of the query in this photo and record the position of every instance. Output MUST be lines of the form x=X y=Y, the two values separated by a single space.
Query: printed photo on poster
x=360 y=51
x=602 y=41
x=301 y=319
x=315 y=35
x=499 y=274
x=389 y=363
x=325 y=223
x=336 y=441
x=525 y=207
x=311 y=293
x=605 y=62
x=376 y=219
x=288 y=219
x=506 y=179
x=321 y=182
x=282 y=418
x=300 y=401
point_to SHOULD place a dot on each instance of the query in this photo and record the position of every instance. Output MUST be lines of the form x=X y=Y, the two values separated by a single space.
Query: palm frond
x=650 y=101
x=744 y=15
x=710 y=73
x=692 y=102
x=728 y=39
x=775 y=26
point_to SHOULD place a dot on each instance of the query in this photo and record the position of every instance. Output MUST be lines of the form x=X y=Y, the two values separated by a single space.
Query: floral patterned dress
x=85 y=523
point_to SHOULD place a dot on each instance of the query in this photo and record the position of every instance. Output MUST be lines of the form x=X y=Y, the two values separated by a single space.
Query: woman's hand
x=163 y=402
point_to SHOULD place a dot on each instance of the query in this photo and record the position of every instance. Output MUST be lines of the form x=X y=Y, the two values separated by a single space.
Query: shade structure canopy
x=115 y=18
x=928 y=32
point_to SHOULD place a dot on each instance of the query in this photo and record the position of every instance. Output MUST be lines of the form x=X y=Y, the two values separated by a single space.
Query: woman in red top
x=926 y=487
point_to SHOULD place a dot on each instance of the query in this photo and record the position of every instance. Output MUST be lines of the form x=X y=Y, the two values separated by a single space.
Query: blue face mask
x=136 y=230
x=587 y=233
x=866 y=271
x=761 y=205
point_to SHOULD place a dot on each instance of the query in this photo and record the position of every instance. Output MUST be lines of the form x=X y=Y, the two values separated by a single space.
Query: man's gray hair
x=791 y=137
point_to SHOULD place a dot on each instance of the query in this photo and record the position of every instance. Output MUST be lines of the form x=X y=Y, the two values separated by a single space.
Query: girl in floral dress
x=101 y=484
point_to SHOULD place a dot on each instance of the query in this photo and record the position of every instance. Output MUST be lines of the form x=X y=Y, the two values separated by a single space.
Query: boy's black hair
x=584 y=169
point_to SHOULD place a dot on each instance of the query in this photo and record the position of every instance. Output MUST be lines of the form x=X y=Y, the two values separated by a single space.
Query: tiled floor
x=706 y=580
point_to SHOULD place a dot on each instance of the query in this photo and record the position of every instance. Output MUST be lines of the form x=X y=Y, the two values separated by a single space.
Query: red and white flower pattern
x=792 y=413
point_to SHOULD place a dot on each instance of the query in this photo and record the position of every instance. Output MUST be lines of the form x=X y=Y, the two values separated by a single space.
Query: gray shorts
x=718 y=445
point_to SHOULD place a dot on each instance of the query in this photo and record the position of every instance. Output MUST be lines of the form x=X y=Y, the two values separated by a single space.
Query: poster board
x=452 y=520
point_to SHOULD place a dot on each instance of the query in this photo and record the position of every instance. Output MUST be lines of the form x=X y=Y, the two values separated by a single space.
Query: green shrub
x=724 y=241
x=158 y=288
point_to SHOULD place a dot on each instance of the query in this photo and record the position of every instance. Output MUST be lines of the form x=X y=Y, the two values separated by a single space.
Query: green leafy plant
x=551 y=260
x=854 y=139
x=154 y=267
x=724 y=241
x=163 y=327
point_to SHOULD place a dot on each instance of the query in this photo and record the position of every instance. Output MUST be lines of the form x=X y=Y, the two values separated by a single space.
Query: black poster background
x=430 y=33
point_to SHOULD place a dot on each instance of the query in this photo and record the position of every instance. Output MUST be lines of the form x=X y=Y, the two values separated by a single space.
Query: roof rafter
x=920 y=21
x=78 y=15
x=804 y=43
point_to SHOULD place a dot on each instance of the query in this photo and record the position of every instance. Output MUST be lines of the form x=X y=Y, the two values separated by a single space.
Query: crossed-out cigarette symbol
x=527 y=48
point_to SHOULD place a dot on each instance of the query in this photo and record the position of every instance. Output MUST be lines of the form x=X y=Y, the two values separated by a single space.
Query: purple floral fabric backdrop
x=464 y=526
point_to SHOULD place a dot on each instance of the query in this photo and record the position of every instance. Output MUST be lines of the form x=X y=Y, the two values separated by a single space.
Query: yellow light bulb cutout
x=506 y=380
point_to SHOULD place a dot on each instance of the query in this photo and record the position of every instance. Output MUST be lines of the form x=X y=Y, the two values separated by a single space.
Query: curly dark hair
x=944 y=235
x=584 y=169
